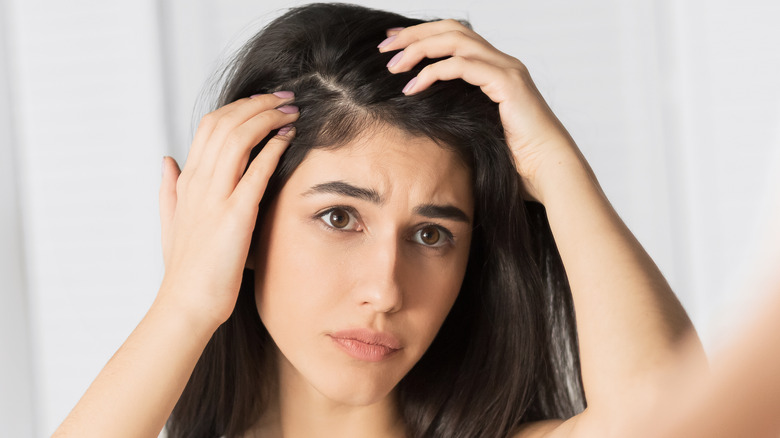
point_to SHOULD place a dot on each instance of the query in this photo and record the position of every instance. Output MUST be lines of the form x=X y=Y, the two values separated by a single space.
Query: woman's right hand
x=208 y=210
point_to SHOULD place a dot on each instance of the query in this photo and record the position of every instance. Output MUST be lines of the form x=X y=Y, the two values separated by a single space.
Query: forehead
x=394 y=163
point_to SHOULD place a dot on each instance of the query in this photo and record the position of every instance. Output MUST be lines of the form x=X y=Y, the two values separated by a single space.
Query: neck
x=299 y=410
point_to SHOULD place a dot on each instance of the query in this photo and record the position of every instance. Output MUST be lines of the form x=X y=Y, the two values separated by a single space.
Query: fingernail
x=284 y=129
x=254 y=95
x=395 y=29
x=284 y=94
x=162 y=171
x=395 y=59
x=387 y=41
x=410 y=85
x=288 y=109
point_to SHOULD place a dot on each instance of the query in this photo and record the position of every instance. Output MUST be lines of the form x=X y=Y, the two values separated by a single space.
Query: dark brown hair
x=507 y=352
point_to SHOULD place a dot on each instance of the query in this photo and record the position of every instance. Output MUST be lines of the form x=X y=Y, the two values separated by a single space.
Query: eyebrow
x=432 y=211
x=345 y=189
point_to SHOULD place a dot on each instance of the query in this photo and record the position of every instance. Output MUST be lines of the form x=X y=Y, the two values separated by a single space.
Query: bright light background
x=675 y=103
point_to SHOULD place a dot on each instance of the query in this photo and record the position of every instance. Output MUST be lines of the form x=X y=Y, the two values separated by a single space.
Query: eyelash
x=447 y=239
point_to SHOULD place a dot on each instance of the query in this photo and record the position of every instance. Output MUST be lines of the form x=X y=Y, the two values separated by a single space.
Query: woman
x=402 y=279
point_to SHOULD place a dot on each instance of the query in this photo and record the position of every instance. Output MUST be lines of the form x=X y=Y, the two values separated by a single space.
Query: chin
x=342 y=380
x=354 y=388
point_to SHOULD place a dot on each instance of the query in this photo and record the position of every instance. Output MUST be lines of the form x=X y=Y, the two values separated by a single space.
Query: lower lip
x=362 y=351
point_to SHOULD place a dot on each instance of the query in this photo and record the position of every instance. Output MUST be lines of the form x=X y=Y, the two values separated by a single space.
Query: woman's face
x=360 y=259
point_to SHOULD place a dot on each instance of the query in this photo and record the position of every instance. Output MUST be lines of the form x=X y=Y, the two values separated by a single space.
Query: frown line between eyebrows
x=432 y=211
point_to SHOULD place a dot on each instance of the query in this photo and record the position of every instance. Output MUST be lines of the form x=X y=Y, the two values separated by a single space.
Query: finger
x=205 y=128
x=251 y=188
x=236 y=112
x=450 y=43
x=224 y=131
x=408 y=35
x=168 y=199
x=393 y=31
x=497 y=83
x=234 y=155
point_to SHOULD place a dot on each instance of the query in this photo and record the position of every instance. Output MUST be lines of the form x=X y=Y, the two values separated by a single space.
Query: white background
x=676 y=104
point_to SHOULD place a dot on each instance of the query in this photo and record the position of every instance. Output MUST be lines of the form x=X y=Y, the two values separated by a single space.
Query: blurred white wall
x=16 y=395
x=674 y=102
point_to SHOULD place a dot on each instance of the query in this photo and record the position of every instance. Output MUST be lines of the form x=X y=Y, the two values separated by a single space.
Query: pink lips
x=366 y=344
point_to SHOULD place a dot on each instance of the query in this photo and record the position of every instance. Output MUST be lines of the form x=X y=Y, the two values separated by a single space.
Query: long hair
x=507 y=352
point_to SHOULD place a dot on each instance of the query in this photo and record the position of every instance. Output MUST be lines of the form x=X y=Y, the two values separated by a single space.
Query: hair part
x=507 y=352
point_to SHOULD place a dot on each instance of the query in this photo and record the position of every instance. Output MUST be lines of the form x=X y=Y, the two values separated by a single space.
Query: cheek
x=308 y=282
x=291 y=276
x=431 y=289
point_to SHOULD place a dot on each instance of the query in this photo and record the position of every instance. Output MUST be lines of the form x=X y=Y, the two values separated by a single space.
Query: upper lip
x=368 y=336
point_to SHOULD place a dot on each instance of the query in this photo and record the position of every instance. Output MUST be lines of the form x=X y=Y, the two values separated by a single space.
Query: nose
x=380 y=286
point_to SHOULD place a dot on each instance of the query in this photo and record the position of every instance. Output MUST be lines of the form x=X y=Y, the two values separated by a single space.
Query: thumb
x=170 y=175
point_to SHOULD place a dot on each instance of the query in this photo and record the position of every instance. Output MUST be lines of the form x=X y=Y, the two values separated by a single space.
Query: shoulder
x=555 y=428
x=537 y=429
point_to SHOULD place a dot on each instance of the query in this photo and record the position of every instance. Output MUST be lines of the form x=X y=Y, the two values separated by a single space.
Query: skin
x=630 y=324
x=375 y=271
x=207 y=213
x=635 y=339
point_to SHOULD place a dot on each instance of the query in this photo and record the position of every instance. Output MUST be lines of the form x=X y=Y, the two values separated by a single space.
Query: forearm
x=137 y=389
x=629 y=321
x=740 y=397
x=206 y=235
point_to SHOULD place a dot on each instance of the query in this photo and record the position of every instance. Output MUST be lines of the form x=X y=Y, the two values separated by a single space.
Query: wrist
x=187 y=314
x=560 y=175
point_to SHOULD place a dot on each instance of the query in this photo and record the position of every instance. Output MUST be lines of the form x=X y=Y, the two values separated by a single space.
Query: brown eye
x=338 y=218
x=430 y=235
x=434 y=237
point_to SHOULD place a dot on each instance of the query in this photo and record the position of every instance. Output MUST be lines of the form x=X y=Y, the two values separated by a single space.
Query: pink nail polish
x=284 y=94
x=284 y=129
x=387 y=41
x=288 y=109
x=410 y=85
x=395 y=29
x=395 y=59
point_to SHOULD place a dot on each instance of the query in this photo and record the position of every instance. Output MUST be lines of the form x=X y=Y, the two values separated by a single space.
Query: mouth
x=366 y=345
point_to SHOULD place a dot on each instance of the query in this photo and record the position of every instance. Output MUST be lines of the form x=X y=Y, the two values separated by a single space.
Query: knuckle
x=519 y=66
x=458 y=61
x=264 y=121
x=457 y=33
x=457 y=24
x=209 y=120
x=224 y=123
x=236 y=139
x=464 y=24
x=519 y=72
x=411 y=49
x=256 y=170
x=263 y=167
x=269 y=117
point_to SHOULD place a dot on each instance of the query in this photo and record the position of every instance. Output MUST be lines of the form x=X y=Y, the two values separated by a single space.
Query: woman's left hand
x=535 y=136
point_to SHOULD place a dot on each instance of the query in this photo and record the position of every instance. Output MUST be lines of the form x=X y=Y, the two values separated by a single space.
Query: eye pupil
x=430 y=235
x=339 y=218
